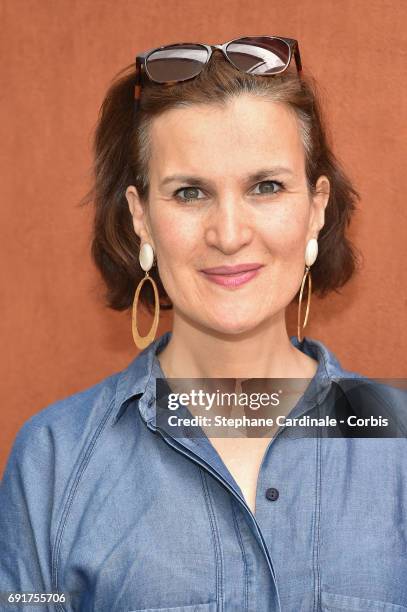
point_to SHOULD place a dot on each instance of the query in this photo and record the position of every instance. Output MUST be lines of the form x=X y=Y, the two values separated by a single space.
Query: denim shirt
x=98 y=503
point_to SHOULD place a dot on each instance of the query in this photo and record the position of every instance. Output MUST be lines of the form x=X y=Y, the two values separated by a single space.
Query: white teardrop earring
x=146 y=259
x=311 y=253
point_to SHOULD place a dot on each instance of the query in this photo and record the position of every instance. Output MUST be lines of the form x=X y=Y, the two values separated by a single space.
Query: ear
x=139 y=215
x=319 y=202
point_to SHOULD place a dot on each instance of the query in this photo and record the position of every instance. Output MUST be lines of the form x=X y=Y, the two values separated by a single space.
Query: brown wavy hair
x=121 y=151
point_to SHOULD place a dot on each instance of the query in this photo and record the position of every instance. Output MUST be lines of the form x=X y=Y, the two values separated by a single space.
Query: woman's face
x=228 y=187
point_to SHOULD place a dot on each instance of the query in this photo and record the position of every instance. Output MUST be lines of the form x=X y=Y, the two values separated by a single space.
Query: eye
x=270 y=188
x=191 y=194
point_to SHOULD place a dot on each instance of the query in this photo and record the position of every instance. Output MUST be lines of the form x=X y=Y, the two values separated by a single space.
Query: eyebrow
x=199 y=181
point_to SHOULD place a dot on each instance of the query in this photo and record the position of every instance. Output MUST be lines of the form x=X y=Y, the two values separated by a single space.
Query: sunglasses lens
x=259 y=55
x=176 y=62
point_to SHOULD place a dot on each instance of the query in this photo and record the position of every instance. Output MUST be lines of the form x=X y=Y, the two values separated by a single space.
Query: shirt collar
x=138 y=379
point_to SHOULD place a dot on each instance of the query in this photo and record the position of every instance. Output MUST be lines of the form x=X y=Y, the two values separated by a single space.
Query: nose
x=229 y=225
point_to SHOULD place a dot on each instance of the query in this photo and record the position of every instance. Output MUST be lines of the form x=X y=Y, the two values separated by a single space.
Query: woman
x=214 y=183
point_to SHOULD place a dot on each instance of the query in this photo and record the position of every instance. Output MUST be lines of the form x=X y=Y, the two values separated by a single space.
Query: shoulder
x=77 y=408
x=364 y=396
x=61 y=434
x=388 y=390
x=59 y=431
x=391 y=392
x=375 y=401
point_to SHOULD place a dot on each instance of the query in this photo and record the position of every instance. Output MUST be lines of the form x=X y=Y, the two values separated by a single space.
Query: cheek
x=176 y=241
x=284 y=236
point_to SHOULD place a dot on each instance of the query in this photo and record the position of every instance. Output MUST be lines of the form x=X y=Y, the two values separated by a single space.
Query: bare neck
x=195 y=352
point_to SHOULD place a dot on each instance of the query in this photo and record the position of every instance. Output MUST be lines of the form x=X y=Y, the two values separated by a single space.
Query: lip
x=232 y=269
x=232 y=276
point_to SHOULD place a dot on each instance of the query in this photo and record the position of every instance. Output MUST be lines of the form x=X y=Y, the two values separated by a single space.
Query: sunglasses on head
x=257 y=55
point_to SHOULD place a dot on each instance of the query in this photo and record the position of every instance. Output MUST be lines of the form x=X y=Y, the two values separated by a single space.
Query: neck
x=265 y=352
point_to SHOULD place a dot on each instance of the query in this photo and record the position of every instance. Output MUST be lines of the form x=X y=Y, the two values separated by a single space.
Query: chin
x=233 y=324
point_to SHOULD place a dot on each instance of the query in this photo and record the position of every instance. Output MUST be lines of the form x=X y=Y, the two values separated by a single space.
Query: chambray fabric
x=98 y=503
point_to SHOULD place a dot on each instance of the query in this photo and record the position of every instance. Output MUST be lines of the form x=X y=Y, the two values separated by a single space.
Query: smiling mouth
x=232 y=279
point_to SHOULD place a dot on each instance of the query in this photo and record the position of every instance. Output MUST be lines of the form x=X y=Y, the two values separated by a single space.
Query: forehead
x=245 y=134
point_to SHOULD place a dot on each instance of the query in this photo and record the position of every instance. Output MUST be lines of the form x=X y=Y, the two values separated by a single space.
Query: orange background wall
x=57 y=60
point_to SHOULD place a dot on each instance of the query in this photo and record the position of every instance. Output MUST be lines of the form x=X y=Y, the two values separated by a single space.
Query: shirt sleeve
x=26 y=500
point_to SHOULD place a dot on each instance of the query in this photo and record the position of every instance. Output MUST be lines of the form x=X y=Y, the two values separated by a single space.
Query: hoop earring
x=311 y=253
x=146 y=259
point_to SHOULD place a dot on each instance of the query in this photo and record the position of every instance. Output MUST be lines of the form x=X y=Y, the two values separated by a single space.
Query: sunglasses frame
x=142 y=71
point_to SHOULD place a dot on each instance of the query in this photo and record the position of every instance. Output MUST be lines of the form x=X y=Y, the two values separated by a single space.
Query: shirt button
x=272 y=494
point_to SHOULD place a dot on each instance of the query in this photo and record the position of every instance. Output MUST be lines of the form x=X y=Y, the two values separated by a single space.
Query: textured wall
x=57 y=60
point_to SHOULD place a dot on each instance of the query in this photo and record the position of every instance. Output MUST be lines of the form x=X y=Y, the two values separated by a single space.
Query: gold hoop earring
x=146 y=258
x=307 y=273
